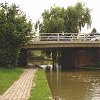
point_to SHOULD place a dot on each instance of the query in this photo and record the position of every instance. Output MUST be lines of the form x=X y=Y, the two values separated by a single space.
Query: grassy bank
x=41 y=90
x=7 y=77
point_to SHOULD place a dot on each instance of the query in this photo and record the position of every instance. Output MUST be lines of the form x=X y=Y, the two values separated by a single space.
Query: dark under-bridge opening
x=68 y=57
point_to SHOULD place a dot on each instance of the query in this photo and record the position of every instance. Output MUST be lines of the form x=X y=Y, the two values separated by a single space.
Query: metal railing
x=63 y=37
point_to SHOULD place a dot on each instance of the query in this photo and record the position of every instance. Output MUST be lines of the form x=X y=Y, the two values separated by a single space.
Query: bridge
x=62 y=40
x=76 y=50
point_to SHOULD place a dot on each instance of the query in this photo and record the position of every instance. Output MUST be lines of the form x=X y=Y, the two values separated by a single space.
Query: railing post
x=71 y=36
x=58 y=36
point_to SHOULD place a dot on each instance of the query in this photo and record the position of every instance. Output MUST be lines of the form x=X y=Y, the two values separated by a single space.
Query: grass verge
x=7 y=77
x=41 y=91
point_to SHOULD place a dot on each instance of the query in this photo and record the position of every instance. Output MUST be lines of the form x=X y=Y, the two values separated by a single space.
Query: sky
x=34 y=9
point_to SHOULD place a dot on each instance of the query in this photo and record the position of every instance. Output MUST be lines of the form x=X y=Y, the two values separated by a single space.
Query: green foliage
x=15 y=31
x=41 y=91
x=93 y=30
x=7 y=77
x=8 y=57
x=53 y=20
x=77 y=17
x=69 y=20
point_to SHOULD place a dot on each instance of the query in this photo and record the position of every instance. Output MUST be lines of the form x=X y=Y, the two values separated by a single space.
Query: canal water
x=75 y=84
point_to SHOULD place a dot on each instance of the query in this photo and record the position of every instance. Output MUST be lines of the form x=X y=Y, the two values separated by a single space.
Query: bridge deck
x=62 y=40
x=61 y=44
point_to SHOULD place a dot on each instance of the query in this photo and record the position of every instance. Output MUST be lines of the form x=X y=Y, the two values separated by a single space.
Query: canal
x=76 y=84
x=73 y=84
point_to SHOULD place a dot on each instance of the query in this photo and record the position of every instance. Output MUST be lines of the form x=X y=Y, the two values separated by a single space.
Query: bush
x=15 y=31
x=8 y=57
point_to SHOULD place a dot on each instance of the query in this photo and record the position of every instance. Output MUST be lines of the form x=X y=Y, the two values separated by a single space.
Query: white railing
x=63 y=37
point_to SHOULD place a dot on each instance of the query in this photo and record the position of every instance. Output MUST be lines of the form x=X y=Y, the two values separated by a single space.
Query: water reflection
x=75 y=84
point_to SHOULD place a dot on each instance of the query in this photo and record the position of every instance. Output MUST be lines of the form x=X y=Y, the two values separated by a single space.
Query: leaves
x=69 y=20
x=15 y=30
x=53 y=20
x=14 y=27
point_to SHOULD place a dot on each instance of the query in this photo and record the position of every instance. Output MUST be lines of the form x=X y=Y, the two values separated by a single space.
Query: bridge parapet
x=63 y=37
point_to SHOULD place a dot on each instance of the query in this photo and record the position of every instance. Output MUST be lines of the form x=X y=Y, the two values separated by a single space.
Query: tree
x=15 y=31
x=77 y=17
x=93 y=30
x=53 y=20
x=69 y=20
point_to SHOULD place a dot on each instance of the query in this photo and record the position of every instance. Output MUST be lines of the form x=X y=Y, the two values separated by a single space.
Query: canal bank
x=41 y=91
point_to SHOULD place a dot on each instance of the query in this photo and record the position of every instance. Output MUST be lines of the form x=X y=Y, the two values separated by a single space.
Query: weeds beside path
x=41 y=91
x=7 y=77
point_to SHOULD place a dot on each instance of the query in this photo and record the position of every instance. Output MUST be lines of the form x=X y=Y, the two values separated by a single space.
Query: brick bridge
x=74 y=52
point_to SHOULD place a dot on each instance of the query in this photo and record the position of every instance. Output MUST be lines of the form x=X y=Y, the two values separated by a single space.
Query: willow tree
x=53 y=20
x=77 y=17
x=70 y=20
x=15 y=30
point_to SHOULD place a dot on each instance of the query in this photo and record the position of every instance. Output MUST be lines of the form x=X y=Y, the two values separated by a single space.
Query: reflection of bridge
x=75 y=50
